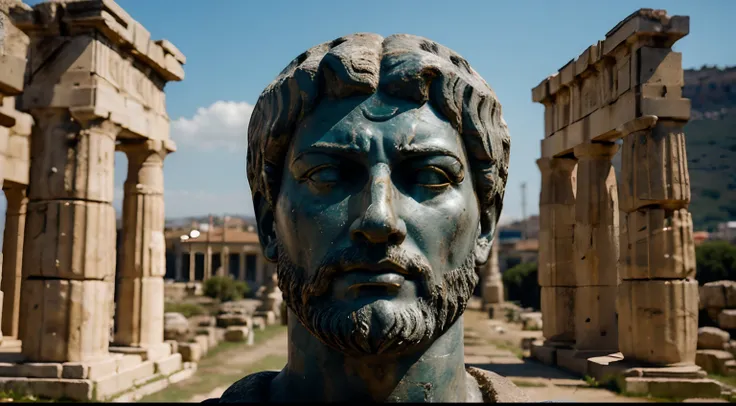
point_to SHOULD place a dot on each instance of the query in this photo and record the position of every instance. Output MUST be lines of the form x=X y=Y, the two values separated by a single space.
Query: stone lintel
x=109 y=19
x=614 y=121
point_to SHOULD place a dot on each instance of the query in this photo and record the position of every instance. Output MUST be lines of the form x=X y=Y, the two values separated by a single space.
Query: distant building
x=700 y=236
x=195 y=253
x=725 y=231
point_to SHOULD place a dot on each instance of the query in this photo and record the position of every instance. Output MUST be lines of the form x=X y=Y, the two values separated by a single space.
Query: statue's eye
x=326 y=174
x=431 y=177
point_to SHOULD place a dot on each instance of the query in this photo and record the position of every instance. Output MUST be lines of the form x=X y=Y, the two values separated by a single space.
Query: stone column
x=556 y=273
x=596 y=248
x=178 y=266
x=658 y=296
x=241 y=266
x=69 y=250
x=192 y=264
x=15 y=221
x=207 y=263
x=140 y=307
x=492 y=283
x=225 y=260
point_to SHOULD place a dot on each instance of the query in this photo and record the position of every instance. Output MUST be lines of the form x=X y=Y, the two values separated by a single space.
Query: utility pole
x=523 y=211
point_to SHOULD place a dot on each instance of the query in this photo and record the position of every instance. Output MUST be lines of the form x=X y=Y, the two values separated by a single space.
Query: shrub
x=186 y=309
x=715 y=261
x=522 y=286
x=225 y=288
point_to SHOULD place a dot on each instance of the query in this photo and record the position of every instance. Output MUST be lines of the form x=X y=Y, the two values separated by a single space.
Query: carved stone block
x=75 y=319
x=658 y=320
x=596 y=325
x=658 y=245
x=70 y=240
x=654 y=168
x=558 y=310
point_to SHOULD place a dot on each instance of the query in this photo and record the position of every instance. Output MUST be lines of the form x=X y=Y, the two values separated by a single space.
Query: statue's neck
x=316 y=372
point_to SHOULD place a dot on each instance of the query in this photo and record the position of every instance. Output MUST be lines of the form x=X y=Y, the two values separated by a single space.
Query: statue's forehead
x=396 y=123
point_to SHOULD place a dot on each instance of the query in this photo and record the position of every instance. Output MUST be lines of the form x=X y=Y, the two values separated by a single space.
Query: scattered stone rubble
x=716 y=349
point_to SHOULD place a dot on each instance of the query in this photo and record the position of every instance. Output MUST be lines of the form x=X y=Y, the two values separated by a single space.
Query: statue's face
x=377 y=222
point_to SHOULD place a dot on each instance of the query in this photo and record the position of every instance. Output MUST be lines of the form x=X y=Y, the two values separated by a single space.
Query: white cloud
x=224 y=124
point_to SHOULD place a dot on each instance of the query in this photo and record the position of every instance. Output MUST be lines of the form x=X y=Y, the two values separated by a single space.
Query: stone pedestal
x=140 y=307
x=556 y=266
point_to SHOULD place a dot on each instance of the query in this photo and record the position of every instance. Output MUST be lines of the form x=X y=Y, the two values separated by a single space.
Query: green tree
x=522 y=285
x=715 y=261
x=225 y=288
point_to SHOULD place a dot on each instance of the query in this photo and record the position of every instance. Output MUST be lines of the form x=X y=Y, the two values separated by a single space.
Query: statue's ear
x=266 y=227
x=486 y=231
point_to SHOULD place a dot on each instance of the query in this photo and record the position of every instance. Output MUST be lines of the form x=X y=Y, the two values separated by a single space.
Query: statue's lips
x=387 y=280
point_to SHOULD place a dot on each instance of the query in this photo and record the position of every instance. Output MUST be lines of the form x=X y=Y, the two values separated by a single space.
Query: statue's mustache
x=390 y=257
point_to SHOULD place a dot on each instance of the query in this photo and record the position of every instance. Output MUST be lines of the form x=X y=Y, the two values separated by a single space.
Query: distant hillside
x=711 y=144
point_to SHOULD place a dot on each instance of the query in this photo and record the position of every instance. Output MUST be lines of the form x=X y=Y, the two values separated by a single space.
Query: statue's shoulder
x=253 y=388
x=495 y=388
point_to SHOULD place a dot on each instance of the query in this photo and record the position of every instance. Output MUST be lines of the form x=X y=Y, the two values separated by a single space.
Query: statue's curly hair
x=403 y=66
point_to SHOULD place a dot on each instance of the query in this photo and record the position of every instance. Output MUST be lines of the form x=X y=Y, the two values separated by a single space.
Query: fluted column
x=556 y=267
x=69 y=250
x=492 y=283
x=140 y=307
x=596 y=248
x=658 y=296
x=15 y=221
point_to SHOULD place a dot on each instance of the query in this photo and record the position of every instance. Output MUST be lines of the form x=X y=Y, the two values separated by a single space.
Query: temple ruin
x=617 y=260
x=80 y=80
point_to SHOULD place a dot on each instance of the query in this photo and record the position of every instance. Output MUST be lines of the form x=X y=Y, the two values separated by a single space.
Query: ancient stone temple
x=90 y=81
x=617 y=264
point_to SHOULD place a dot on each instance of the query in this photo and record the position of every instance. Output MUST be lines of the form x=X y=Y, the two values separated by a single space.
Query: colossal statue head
x=377 y=168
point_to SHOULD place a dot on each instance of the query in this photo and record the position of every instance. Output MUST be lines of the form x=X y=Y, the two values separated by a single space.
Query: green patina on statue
x=377 y=167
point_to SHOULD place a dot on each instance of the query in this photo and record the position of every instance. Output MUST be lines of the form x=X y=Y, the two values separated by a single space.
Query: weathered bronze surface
x=377 y=167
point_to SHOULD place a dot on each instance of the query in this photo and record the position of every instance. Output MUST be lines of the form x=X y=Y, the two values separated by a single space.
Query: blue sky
x=234 y=48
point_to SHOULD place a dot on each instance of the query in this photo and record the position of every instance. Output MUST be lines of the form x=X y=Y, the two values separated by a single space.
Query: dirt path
x=275 y=346
x=486 y=346
x=495 y=346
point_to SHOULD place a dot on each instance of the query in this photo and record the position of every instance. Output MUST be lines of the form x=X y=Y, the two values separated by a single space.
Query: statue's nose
x=379 y=224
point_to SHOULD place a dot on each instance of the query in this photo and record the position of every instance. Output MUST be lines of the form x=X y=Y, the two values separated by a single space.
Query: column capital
x=146 y=147
x=561 y=165
x=596 y=150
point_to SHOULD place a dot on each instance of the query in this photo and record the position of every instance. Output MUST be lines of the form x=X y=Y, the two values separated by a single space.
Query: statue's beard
x=381 y=326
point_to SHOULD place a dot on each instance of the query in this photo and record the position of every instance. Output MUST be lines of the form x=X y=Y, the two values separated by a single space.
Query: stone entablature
x=631 y=74
x=108 y=67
